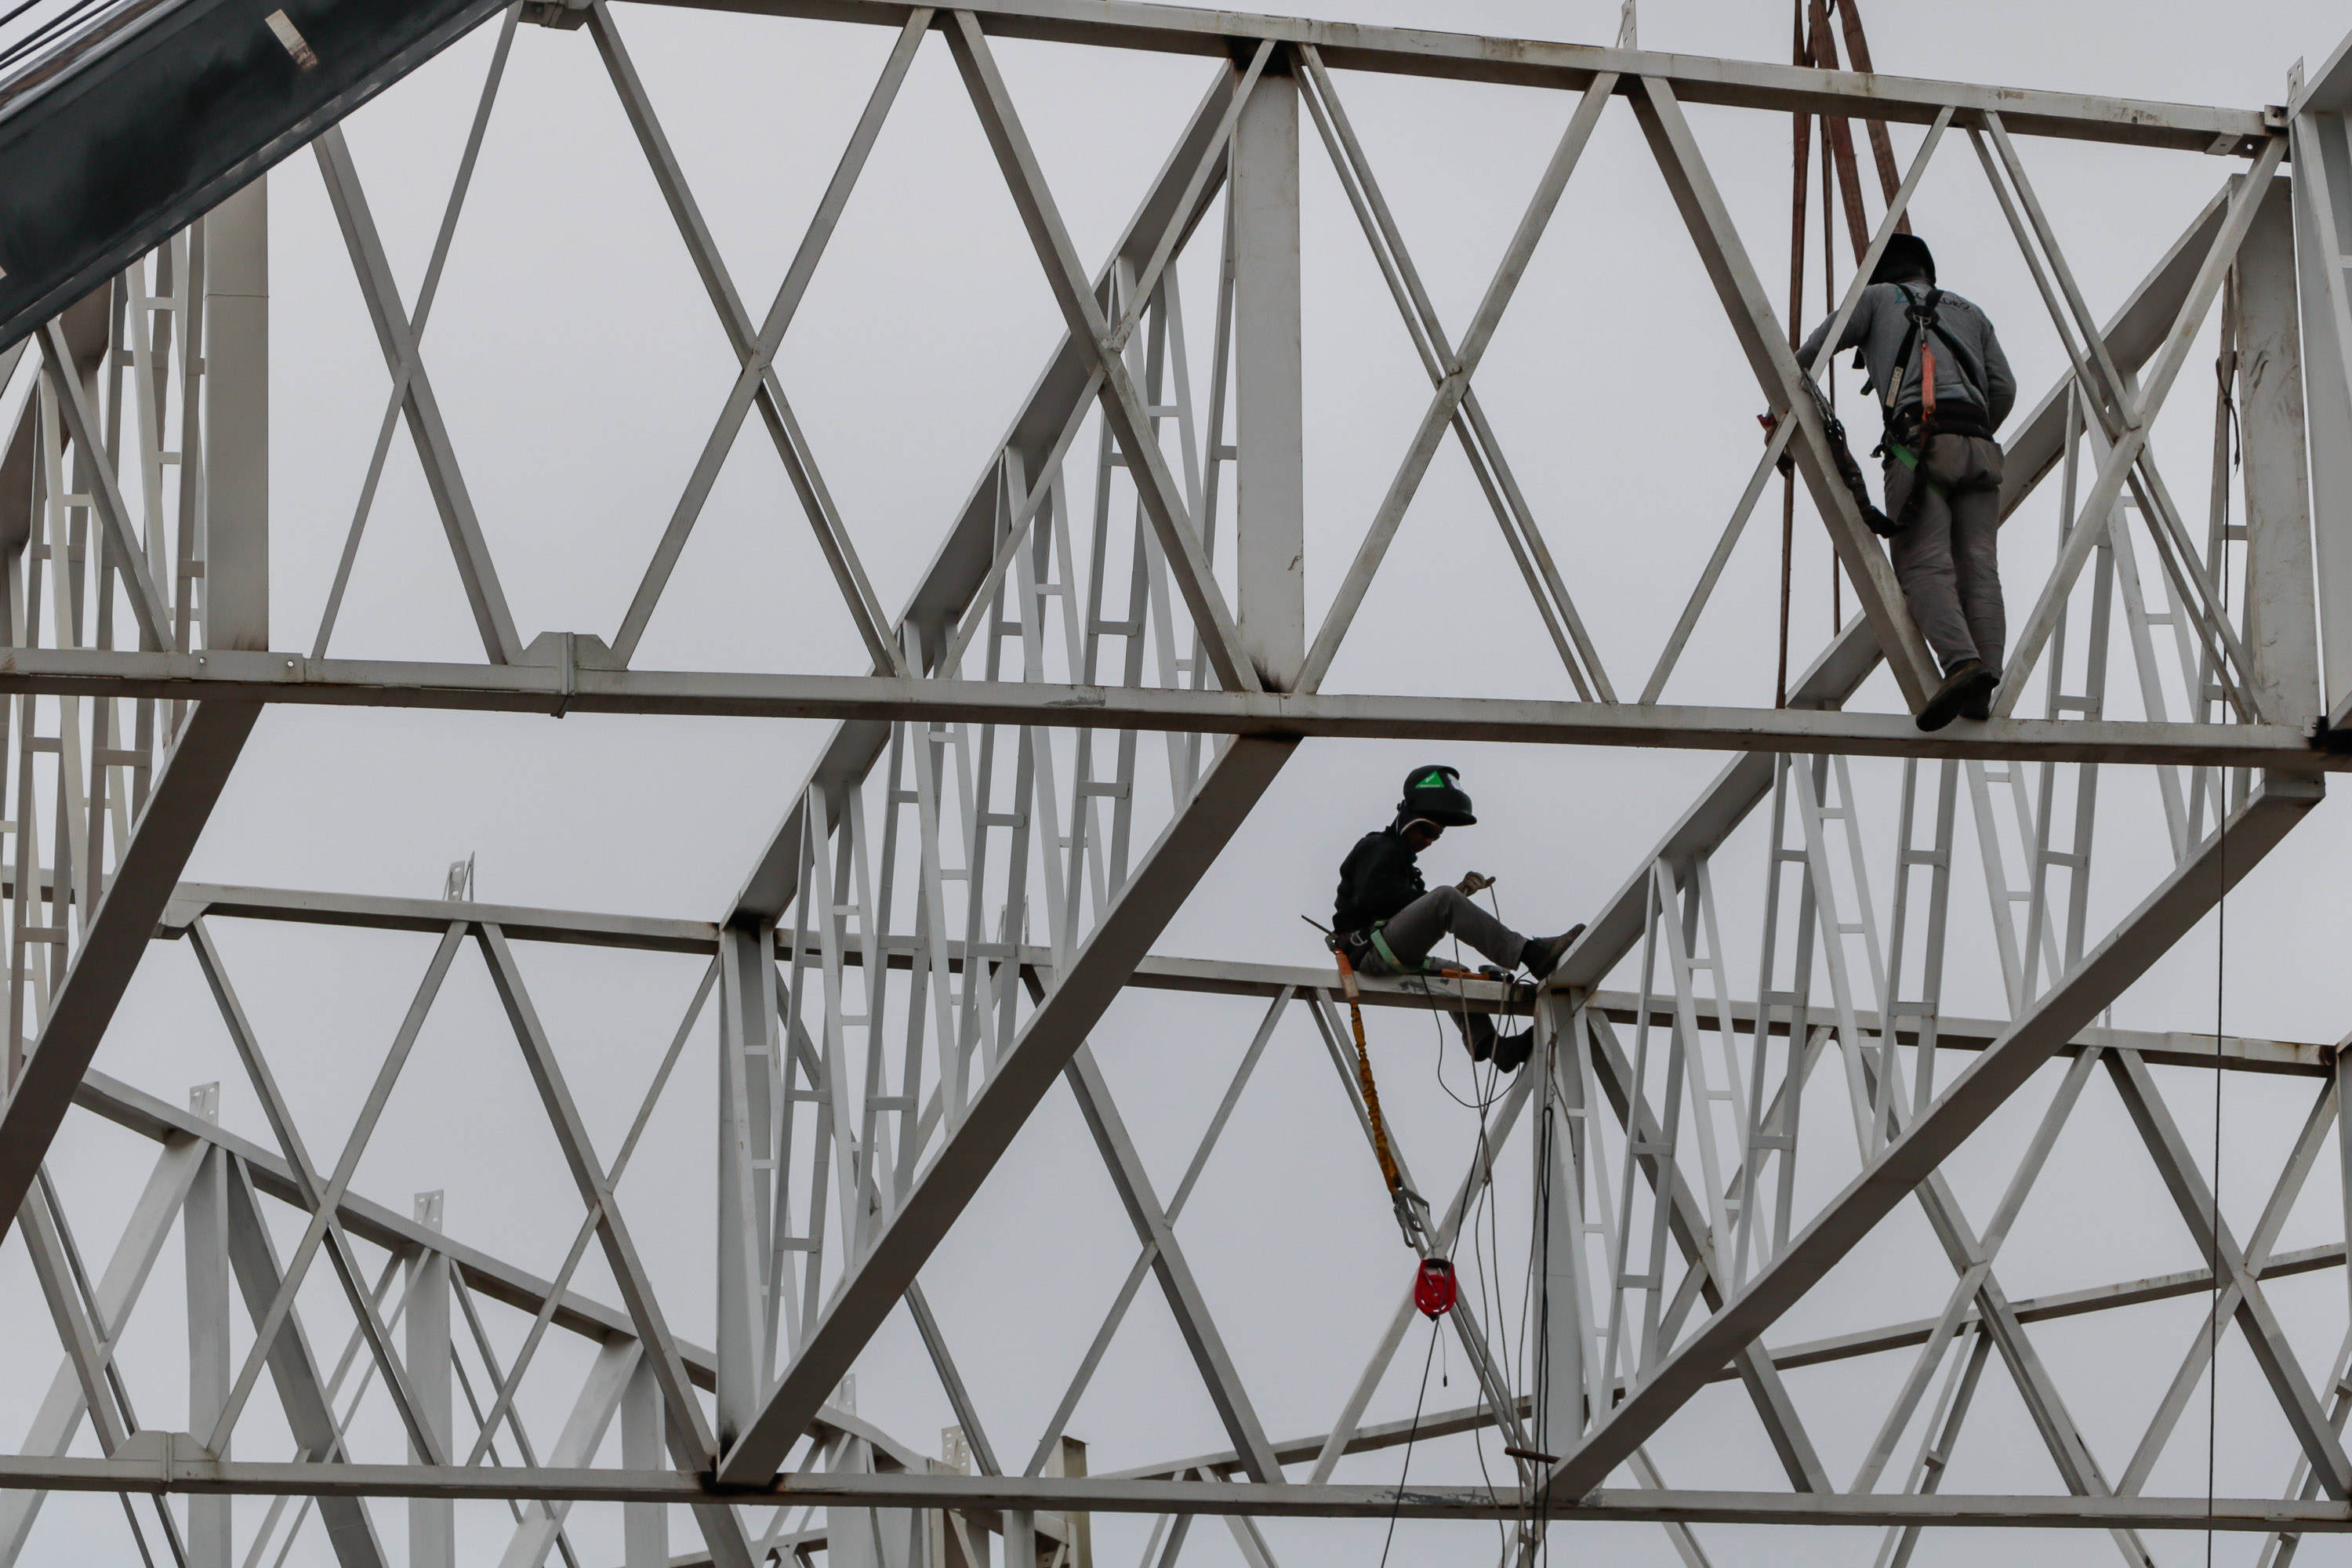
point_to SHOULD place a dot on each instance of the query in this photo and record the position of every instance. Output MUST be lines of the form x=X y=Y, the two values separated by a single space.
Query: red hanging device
x=1434 y=1288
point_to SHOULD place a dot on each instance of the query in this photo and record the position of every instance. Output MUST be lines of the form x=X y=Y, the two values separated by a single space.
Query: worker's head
x=1905 y=259
x=1434 y=795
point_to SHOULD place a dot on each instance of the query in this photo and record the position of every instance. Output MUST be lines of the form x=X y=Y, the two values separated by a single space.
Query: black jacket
x=1380 y=876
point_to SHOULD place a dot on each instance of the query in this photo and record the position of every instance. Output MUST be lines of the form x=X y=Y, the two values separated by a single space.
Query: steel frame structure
x=1088 y=693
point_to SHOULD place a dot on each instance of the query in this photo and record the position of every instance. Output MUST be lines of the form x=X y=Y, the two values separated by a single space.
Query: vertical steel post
x=204 y=1227
x=1270 y=418
x=645 y=1526
x=2280 y=628
x=1559 y=1214
x=2323 y=193
x=236 y=528
x=747 y=1036
x=1070 y=1459
x=432 y=1522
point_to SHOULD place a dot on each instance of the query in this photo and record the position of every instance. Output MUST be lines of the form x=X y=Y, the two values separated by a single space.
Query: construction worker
x=1943 y=466
x=1385 y=921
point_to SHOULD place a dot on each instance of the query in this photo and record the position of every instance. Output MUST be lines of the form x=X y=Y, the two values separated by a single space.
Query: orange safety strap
x=1364 y=1078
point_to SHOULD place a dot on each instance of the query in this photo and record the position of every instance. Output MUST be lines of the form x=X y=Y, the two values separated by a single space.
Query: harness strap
x=1927 y=314
x=1388 y=954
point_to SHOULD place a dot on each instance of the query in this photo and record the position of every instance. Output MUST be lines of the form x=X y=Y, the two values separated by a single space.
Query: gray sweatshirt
x=1878 y=328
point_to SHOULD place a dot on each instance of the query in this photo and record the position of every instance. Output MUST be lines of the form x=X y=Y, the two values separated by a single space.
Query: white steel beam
x=175 y=1470
x=432 y=1522
x=1171 y=207
x=1185 y=1301
x=435 y=452
x=754 y=350
x=1124 y=410
x=691 y=1444
x=2137 y=941
x=210 y=1367
x=1812 y=727
x=1528 y=62
x=235 y=422
x=1052 y=1034
x=2033 y=450
x=2280 y=628
x=308 y=1413
x=1268 y=384
x=183 y=797
x=60 y=1417
x=1765 y=340
x=1224 y=977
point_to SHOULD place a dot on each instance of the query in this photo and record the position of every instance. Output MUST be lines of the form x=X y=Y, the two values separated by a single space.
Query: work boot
x=1980 y=705
x=1511 y=1051
x=1478 y=1034
x=1969 y=682
x=1543 y=954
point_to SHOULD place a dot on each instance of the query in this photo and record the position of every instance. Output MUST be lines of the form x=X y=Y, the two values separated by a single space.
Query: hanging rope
x=1396 y=1502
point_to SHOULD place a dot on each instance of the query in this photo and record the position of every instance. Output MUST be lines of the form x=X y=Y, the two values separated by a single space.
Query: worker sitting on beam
x=1943 y=387
x=1386 y=923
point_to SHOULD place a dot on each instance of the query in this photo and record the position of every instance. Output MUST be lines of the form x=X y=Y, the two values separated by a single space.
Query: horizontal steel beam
x=557 y=689
x=1525 y=62
x=1811 y=1352
x=370 y=911
x=1209 y=976
x=161 y=1462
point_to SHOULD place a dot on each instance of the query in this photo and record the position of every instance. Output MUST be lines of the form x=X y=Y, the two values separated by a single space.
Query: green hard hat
x=1434 y=792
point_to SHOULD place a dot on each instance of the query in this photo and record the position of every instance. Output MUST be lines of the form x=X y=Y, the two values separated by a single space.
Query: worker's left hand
x=1475 y=884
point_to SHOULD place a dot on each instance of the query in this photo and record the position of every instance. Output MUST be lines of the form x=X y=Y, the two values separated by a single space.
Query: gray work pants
x=1946 y=555
x=1417 y=928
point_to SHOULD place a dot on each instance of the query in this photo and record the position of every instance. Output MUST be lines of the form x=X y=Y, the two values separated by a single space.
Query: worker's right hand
x=1471 y=886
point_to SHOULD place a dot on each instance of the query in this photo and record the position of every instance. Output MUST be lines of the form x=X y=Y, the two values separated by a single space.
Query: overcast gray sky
x=581 y=367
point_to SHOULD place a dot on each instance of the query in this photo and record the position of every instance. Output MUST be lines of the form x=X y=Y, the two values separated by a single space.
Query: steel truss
x=1096 y=682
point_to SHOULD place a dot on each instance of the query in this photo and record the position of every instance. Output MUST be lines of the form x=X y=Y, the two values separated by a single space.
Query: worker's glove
x=1788 y=463
x=1475 y=884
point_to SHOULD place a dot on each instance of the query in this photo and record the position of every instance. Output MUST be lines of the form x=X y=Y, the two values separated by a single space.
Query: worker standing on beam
x=1943 y=387
x=1385 y=921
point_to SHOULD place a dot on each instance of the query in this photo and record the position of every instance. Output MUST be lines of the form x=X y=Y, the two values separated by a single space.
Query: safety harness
x=1906 y=445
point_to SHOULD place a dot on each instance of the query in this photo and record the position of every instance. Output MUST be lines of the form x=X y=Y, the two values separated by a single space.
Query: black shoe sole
x=1952 y=697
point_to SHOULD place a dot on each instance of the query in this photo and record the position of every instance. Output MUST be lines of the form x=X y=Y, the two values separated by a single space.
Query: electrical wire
x=2213 y=1224
x=2232 y=455
x=48 y=31
x=1485 y=1244
x=1411 y=1433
